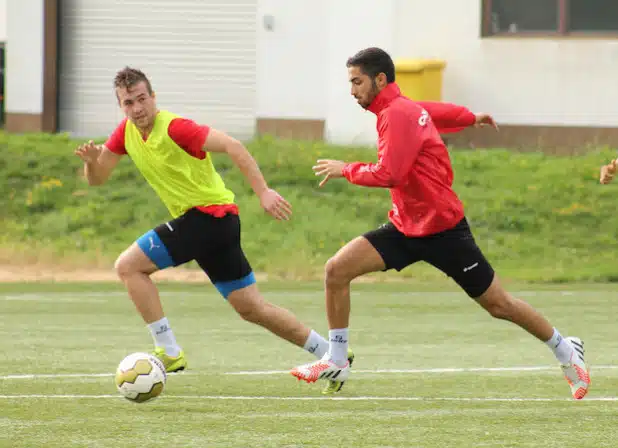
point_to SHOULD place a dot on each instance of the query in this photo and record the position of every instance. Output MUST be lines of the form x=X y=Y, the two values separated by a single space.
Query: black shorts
x=453 y=251
x=214 y=243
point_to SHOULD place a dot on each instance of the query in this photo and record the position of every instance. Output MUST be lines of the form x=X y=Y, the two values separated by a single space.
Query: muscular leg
x=356 y=258
x=134 y=269
x=502 y=305
x=251 y=306
x=466 y=264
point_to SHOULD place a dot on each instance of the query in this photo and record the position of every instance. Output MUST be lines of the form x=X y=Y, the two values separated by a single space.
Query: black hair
x=373 y=61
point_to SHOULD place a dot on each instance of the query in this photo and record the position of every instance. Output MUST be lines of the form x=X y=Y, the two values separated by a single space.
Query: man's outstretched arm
x=450 y=118
x=272 y=202
x=99 y=162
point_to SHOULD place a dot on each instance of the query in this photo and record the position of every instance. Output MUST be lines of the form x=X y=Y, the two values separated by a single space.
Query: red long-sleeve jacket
x=413 y=161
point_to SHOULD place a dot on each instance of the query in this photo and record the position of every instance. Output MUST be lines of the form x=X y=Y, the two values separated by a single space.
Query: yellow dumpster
x=420 y=79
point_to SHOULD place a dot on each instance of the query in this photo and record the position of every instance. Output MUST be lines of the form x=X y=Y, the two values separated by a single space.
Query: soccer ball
x=140 y=377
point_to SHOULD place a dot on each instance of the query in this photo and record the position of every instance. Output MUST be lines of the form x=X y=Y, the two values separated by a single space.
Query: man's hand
x=485 y=120
x=608 y=171
x=328 y=168
x=88 y=152
x=275 y=205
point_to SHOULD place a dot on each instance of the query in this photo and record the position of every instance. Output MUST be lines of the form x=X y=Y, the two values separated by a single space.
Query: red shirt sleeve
x=115 y=142
x=189 y=136
x=448 y=117
x=399 y=142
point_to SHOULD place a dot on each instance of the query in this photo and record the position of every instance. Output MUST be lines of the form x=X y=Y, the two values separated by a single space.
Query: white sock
x=316 y=344
x=163 y=336
x=563 y=350
x=338 y=346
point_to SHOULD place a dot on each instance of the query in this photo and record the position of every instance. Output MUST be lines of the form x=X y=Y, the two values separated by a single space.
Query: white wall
x=24 y=57
x=301 y=69
x=531 y=81
x=290 y=57
x=301 y=62
x=353 y=25
x=522 y=81
x=3 y=20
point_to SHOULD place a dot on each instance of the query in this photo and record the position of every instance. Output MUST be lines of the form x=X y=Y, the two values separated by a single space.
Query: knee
x=252 y=313
x=123 y=267
x=250 y=306
x=335 y=274
x=500 y=306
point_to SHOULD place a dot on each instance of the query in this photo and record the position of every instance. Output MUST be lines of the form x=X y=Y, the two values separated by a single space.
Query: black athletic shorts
x=453 y=251
x=214 y=243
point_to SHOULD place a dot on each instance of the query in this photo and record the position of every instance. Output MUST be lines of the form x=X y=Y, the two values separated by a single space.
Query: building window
x=549 y=17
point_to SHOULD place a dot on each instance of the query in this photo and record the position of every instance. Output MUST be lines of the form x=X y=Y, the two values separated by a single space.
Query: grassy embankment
x=537 y=217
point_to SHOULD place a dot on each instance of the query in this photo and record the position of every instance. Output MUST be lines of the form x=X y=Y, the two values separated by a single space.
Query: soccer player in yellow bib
x=173 y=155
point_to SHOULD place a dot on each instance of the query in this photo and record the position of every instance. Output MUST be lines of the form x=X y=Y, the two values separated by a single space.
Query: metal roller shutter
x=200 y=56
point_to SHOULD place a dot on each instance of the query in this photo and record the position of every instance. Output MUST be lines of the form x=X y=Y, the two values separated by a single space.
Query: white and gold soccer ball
x=140 y=377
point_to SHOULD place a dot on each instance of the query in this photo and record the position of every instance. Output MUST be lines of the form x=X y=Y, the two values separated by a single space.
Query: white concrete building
x=3 y=12
x=279 y=65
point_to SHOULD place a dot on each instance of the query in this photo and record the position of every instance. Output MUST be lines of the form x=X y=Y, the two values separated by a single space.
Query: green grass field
x=537 y=217
x=432 y=370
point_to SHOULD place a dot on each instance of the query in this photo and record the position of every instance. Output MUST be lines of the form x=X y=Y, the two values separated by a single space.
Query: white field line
x=437 y=370
x=33 y=376
x=25 y=298
x=36 y=376
x=272 y=398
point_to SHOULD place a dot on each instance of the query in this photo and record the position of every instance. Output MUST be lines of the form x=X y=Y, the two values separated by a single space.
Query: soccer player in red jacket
x=426 y=222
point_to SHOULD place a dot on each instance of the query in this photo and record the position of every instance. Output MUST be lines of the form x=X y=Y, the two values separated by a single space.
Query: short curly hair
x=128 y=78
